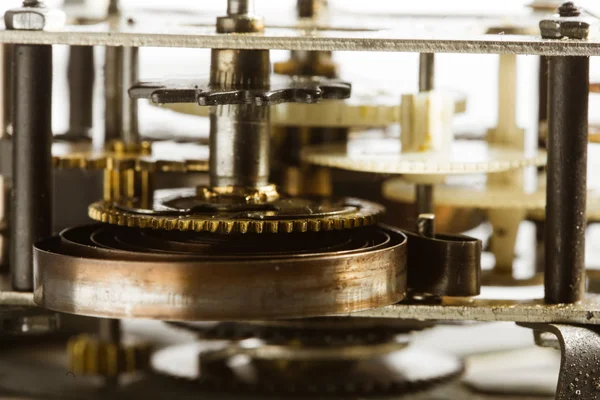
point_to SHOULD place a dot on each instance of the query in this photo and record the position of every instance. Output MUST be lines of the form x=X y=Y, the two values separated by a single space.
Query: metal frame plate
x=471 y=309
x=401 y=33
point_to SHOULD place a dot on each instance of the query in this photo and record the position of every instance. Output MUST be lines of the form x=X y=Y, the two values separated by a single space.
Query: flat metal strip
x=471 y=309
x=284 y=39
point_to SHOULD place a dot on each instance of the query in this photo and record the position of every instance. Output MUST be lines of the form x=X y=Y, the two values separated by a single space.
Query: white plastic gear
x=478 y=195
x=463 y=157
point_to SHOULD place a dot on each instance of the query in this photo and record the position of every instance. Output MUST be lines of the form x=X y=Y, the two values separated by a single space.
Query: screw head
x=569 y=24
x=34 y=18
x=569 y=9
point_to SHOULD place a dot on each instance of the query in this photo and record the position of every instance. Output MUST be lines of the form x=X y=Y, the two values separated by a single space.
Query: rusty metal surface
x=116 y=272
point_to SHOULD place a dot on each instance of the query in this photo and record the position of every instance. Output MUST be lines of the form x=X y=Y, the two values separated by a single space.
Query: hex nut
x=567 y=27
x=34 y=19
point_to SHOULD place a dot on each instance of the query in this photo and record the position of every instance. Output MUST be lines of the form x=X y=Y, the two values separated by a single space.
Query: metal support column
x=568 y=92
x=32 y=159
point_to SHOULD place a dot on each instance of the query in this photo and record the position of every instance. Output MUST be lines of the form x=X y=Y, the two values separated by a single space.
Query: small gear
x=89 y=356
x=186 y=210
x=157 y=156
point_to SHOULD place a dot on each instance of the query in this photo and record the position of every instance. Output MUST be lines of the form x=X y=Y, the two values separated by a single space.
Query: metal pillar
x=121 y=112
x=568 y=92
x=32 y=160
x=81 y=76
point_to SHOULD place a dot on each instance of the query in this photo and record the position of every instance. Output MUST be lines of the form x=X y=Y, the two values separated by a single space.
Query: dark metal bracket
x=580 y=365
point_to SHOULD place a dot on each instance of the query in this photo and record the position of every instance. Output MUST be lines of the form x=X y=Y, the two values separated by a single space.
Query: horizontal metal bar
x=22 y=299
x=466 y=309
x=289 y=39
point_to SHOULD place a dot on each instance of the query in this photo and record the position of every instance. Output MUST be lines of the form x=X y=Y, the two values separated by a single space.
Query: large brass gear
x=89 y=356
x=186 y=210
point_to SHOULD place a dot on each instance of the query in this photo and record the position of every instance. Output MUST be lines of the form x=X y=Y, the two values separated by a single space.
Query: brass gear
x=89 y=356
x=158 y=156
x=186 y=210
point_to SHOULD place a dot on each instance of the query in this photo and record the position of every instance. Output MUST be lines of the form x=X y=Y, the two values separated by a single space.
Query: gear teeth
x=105 y=212
x=88 y=356
x=140 y=160
x=235 y=331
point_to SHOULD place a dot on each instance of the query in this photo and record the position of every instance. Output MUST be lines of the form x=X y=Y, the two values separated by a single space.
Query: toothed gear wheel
x=326 y=331
x=474 y=193
x=89 y=356
x=184 y=210
x=398 y=372
x=161 y=155
x=281 y=89
x=463 y=157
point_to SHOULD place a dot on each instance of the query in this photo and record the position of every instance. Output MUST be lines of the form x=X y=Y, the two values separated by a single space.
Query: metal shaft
x=426 y=71
x=543 y=101
x=109 y=331
x=311 y=8
x=121 y=112
x=81 y=76
x=113 y=7
x=424 y=193
x=240 y=7
x=239 y=146
x=424 y=196
x=568 y=91
x=32 y=160
x=7 y=86
x=239 y=134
